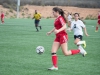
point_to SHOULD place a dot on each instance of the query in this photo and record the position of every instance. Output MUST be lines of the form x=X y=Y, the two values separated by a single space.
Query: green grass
x=18 y=41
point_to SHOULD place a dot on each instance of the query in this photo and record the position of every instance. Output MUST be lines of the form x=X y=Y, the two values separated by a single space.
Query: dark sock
x=40 y=27
x=37 y=29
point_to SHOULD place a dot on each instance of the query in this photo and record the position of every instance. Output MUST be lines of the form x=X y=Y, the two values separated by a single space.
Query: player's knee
x=75 y=42
x=66 y=54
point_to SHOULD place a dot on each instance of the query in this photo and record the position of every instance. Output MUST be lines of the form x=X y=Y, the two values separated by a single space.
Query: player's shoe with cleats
x=96 y=30
x=84 y=44
x=53 y=68
x=82 y=51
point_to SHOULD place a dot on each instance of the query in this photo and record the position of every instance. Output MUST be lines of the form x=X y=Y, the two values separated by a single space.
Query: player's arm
x=71 y=27
x=85 y=31
x=40 y=16
x=33 y=16
x=48 y=33
x=61 y=29
x=63 y=23
x=84 y=27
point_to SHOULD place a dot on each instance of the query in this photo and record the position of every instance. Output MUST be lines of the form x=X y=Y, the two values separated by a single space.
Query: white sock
x=80 y=42
x=80 y=47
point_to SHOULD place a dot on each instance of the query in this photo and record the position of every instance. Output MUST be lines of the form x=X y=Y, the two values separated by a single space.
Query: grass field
x=19 y=39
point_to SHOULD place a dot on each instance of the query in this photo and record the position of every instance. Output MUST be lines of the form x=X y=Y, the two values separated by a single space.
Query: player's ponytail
x=61 y=12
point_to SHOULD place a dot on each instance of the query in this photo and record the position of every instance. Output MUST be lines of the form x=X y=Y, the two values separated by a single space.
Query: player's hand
x=87 y=35
x=33 y=18
x=69 y=29
x=56 y=31
x=48 y=33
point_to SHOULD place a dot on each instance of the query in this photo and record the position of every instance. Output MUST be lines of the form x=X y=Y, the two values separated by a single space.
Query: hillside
x=27 y=11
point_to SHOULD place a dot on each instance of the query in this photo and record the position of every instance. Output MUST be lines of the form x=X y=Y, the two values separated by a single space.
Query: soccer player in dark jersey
x=37 y=18
x=61 y=38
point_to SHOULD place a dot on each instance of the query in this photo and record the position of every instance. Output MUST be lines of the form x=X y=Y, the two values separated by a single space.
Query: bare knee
x=67 y=53
x=75 y=42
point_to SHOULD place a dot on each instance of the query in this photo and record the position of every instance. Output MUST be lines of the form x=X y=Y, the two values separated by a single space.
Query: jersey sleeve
x=62 y=21
x=82 y=24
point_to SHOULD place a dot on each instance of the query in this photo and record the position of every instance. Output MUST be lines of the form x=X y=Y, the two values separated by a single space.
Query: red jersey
x=62 y=36
x=2 y=15
x=59 y=22
x=99 y=17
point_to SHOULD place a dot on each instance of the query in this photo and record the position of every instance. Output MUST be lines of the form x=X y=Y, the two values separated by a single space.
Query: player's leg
x=69 y=23
x=2 y=20
x=36 y=25
x=39 y=25
x=65 y=51
x=72 y=51
x=64 y=47
x=55 y=47
x=78 y=40
x=97 y=26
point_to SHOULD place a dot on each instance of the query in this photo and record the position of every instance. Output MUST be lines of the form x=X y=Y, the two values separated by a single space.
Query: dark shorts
x=37 y=22
x=78 y=36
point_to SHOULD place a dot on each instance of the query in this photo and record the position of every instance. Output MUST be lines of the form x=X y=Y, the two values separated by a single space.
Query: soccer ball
x=40 y=49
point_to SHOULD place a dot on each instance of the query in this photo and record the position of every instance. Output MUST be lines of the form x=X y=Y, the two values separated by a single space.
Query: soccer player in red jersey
x=98 y=23
x=2 y=17
x=61 y=38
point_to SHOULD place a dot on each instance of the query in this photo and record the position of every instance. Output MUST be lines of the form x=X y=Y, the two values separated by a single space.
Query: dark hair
x=79 y=17
x=35 y=11
x=77 y=14
x=61 y=12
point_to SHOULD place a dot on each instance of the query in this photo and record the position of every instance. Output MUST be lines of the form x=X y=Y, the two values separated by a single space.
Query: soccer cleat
x=82 y=51
x=84 y=54
x=53 y=68
x=84 y=44
x=96 y=30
